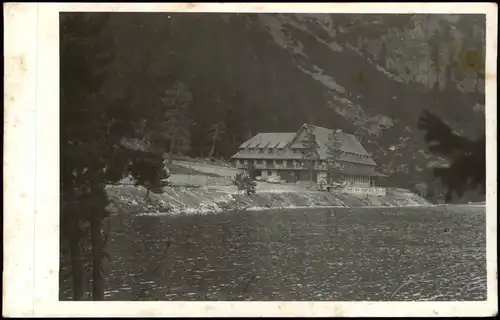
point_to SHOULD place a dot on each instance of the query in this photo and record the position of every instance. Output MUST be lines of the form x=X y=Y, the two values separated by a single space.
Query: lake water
x=313 y=254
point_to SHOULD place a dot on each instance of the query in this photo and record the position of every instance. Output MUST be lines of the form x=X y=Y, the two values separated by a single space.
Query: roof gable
x=349 y=142
x=353 y=150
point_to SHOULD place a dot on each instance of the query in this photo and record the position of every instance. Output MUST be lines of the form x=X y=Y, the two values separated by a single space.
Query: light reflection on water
x=300 y=255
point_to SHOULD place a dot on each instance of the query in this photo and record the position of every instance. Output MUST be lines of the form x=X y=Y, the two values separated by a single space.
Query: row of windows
x=298 y=151
x=291 y=163
x=279 y=162
x=366 y=156
x=356 y=189
x=358 y=179
x=262 y=150
x=371 y=189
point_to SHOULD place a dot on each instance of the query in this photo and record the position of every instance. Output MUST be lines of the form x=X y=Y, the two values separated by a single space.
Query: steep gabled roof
x=269 y=140
x=349 y=142
x=353 y=150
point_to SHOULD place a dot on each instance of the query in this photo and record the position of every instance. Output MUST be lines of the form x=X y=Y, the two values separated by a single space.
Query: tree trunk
x=311 y=164
x=437 y=84
x=171 y=150
x=212 y=149
x=98 y=281
x=76 y=265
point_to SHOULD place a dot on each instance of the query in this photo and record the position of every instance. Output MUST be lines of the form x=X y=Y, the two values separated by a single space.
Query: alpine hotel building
x=282 y=155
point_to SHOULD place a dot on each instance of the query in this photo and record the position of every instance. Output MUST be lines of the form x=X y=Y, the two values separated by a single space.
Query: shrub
x=244 y=182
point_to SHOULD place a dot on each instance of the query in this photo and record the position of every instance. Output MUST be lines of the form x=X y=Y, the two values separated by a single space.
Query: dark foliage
x=334 y=150
x=239 y=76
x=93 y=126
x=467 y=169
x=250 y=185
x=250 y=170
x=311 y=147
x=239 y=181
x=244 y=182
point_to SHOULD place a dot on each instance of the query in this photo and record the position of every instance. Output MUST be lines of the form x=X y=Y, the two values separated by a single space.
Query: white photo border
x=31 y=169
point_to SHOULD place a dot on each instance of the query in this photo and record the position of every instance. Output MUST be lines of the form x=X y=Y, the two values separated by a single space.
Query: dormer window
x=270 y=150
x=261 y=150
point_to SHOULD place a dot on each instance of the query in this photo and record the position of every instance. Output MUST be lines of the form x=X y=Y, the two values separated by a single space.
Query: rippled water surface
x=314 y=254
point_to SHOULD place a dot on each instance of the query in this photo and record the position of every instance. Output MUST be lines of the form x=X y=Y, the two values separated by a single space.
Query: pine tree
x=93 y=126
x=311 y=147
x=149 y=171
x=239 y=181
x=216 y=132
x=250 y=185
x=334 y=150
x=175 y=127
x=467 y=158
x=245 y=182
x=250 y=171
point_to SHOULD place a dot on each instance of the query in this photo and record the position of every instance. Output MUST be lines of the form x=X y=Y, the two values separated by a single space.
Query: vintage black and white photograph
x=210 y=156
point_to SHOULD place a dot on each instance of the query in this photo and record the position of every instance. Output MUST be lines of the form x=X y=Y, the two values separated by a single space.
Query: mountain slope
x=372 y=75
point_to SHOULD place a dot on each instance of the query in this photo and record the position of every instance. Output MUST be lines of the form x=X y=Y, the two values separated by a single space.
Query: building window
x=251 y=149
x=270 y=150
x=258 y=162
x=269 y=173
x=261 y=150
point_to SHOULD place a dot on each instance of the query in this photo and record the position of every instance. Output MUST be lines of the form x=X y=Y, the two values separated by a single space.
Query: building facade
x=283 y=155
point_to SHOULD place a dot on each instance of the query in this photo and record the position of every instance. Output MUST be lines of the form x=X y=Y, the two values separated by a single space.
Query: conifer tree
x=175 y=126
x=216 y=132
x=93 y=128
x=311 y=147
x=334 y=151
x=466 y=157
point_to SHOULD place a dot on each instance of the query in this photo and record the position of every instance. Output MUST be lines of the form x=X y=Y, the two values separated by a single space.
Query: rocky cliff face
x=371 y=75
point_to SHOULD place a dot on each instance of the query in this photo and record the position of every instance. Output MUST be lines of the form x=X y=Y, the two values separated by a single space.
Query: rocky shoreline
x=182 y=200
